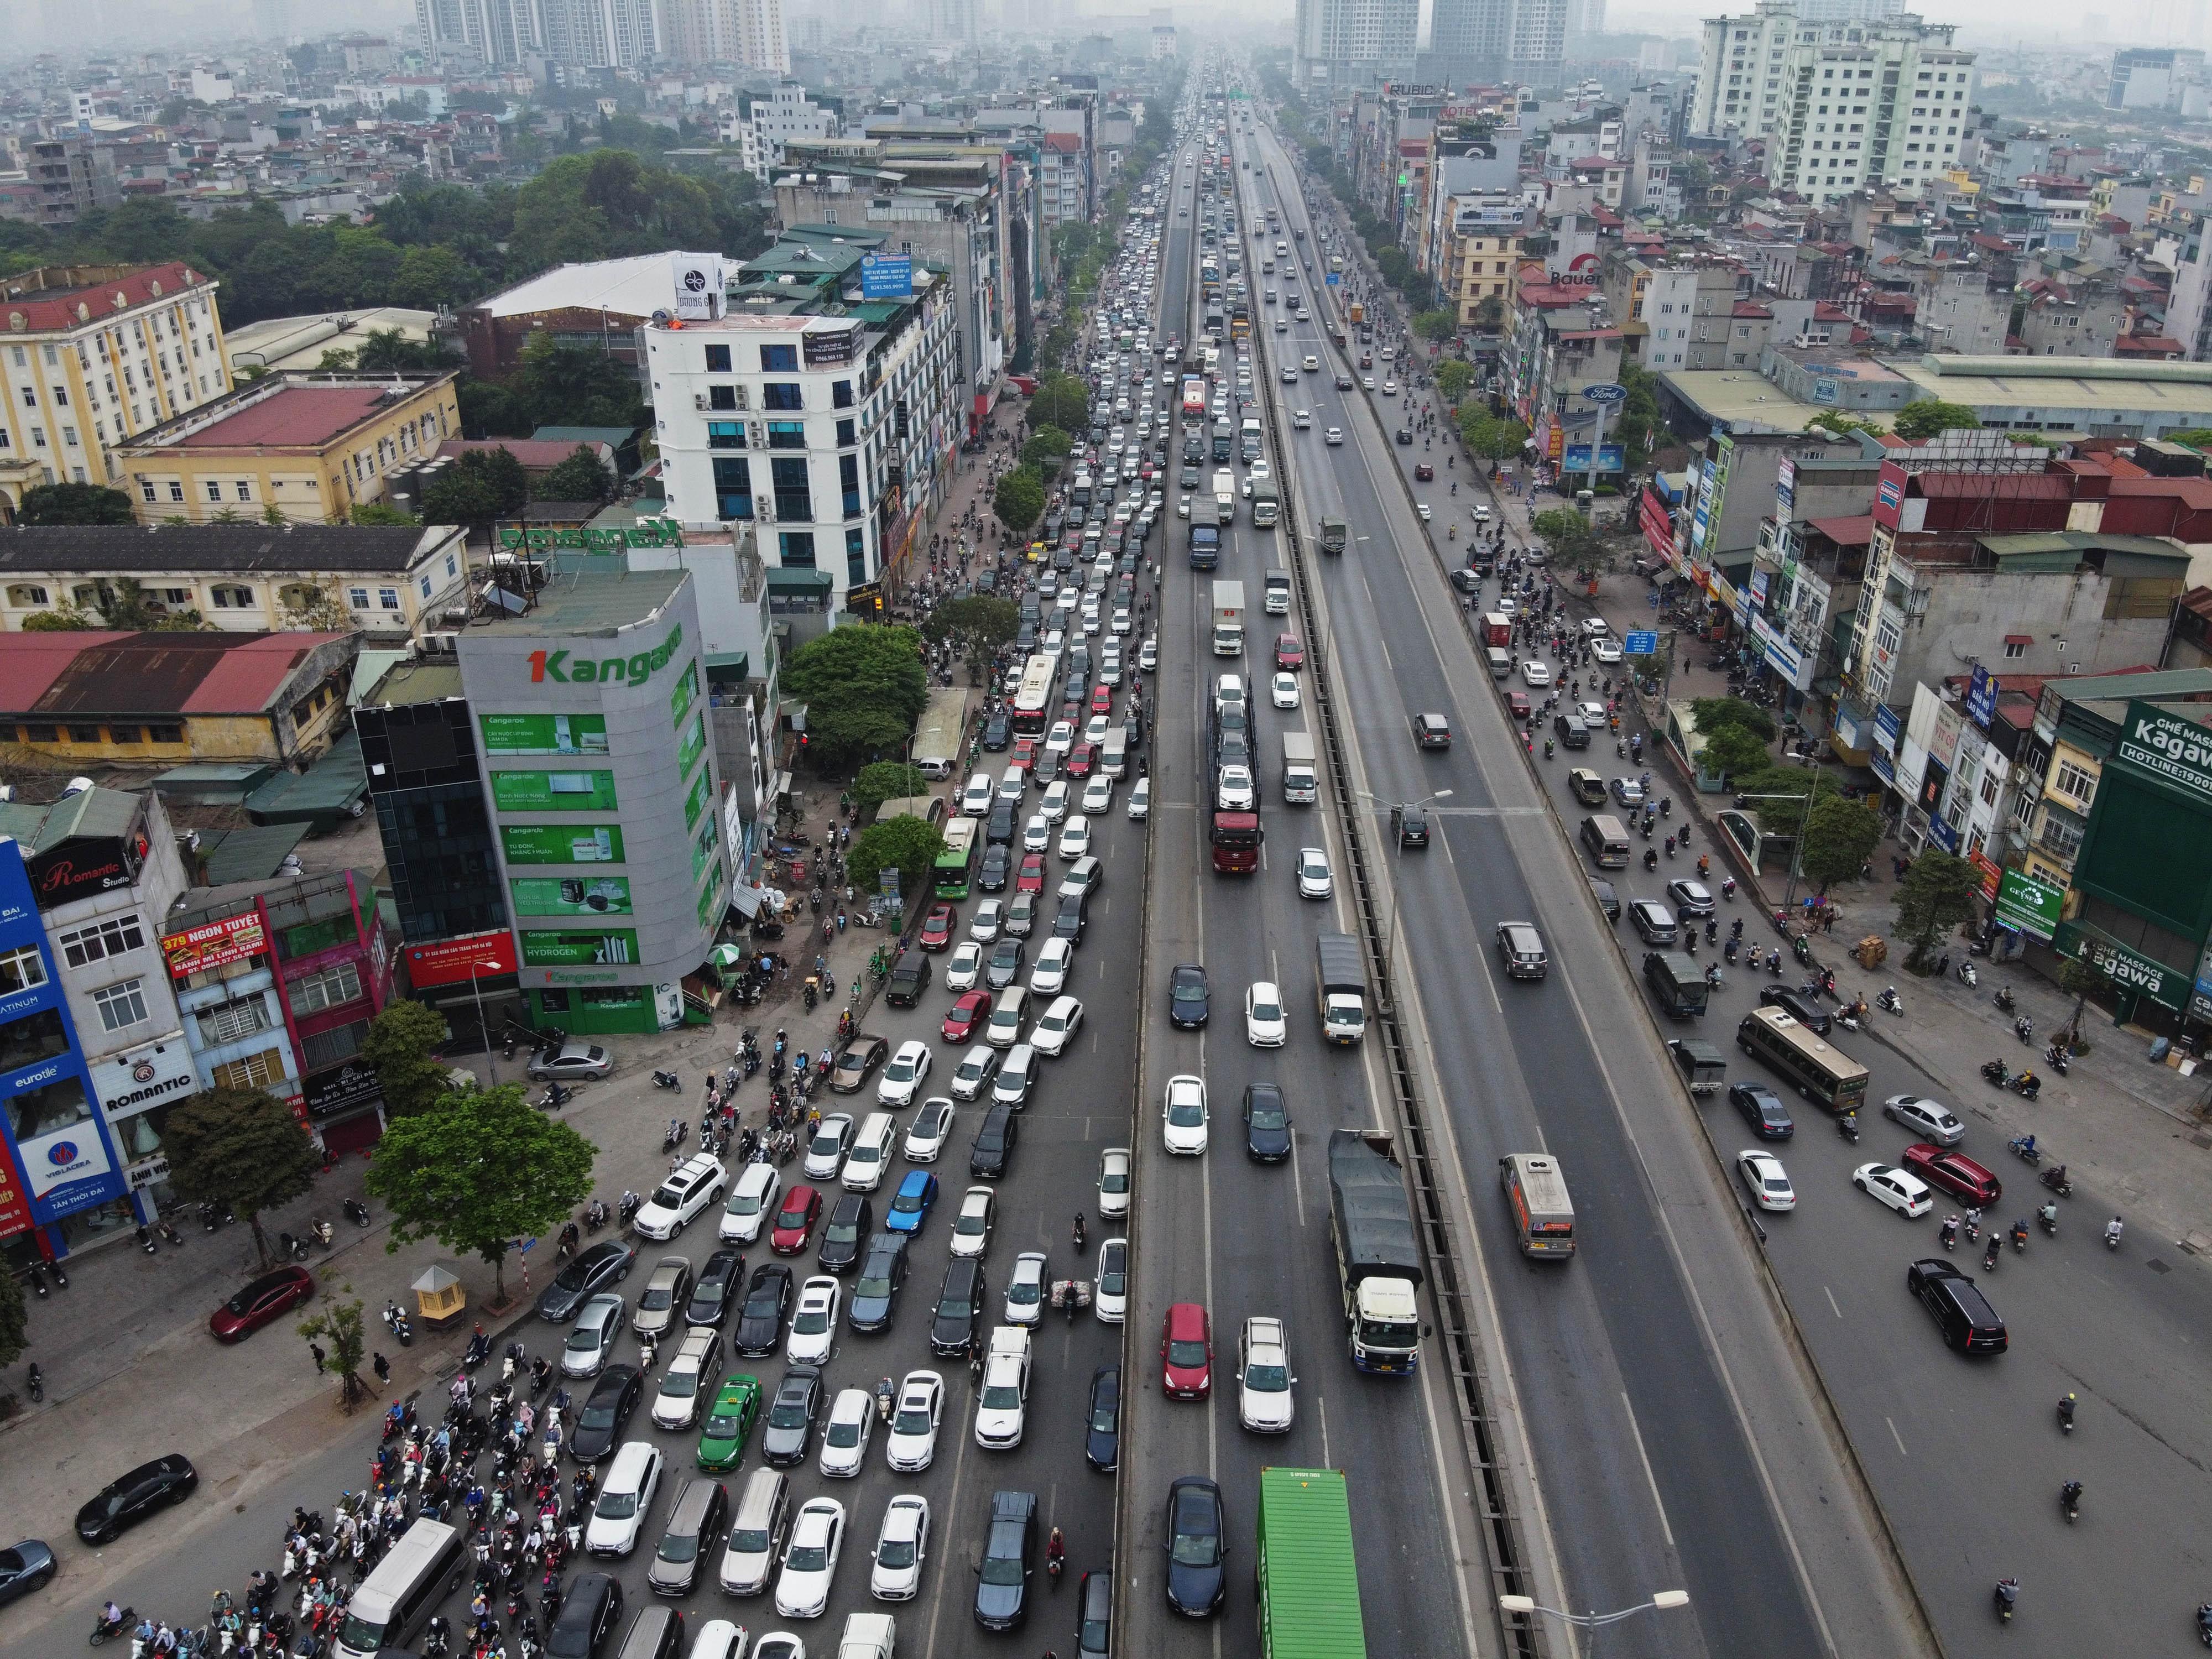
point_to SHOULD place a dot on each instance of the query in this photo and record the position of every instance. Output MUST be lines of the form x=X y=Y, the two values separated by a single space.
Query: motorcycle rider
x=1055 y=1550
x=2113 y=1230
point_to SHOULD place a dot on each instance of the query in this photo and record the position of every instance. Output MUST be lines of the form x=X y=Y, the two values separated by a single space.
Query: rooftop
x=592 y=601
x=1745 y=401
x=2181 y=391
x=298 y=343
x=67 y=296
x=636 y=286
x=297 y=417
x=97 y=672
x=89 y=813
x=123 y=550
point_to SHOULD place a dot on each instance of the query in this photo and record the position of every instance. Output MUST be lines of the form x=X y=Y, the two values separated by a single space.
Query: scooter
x=2054 y=1178
x=35 y=1380
x=2055 y=1055
x=2024 y=1146
x=102 y=1628
x=1966 y=975
x=666 y=1080
x=356 y=1211
x=2004 y=999
x=2004 y=1598
x=1847 y=1126
x=1995 y=1071
x=1889 y=1002
x=2069 y=1501
x=2066 y=1415
x=321 y=1231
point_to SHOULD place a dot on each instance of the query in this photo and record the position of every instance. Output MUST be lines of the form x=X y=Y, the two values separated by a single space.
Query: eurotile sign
x=2169 y=750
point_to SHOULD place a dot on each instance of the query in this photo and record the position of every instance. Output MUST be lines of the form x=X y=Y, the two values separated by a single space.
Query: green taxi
x=723 y=1441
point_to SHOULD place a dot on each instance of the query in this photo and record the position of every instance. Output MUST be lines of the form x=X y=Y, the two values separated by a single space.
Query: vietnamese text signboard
x=214 y=944
x=553 y=791
x=2175 y=751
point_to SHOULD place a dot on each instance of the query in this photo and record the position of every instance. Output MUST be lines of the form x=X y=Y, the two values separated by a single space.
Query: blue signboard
x=886 y=276
x=1606 y=394
x=1886 y=729
x=1577 y=458
x=1334 y=279
x=52 y=1123
x=1982 y=696
x=1640 y=642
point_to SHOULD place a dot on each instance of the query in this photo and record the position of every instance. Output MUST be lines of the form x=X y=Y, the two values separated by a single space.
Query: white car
x=1025 y=1289
x=1904 y=1193
x=1604 y=651
x=901 y=1078
x=1183 y=1115
x=1056 y=1027
x=1012 y=783
x=1264 y=1403
x=1367 y=383
x=1334 y=435
x=971 y=1228
x=973 y=1073
x=963 y=969
x=902 y=1545
x=1148 y=655
x=1110 y=1299
x=625 y=1501
x=1594 y=628
x=1121 y=623
x=1182 y=505
x=1537 y=673
x=926 y=1135
x=1037 y=833
x=1769 y=1182
x=1115 y=1167
x=1002 y=1403
x=1054 y=806
x=1053 y=960
x=1311 y=364
x=814 y=1326
x=1314 y=881
x=1283 y=689
x=825 y=1153
x=1389 y=388
x=990 y=917
x=913 y=1439
x=1232 y=789
x=1095 y=733
x=845 y=1436
x=1098 y=795
x=1302 y=418
x=751 y=1201
x=1060 y=739
x=1266 y=1024
x=1075 y=839
x=810 y=1559
x=1421 y=509
x=975 y=800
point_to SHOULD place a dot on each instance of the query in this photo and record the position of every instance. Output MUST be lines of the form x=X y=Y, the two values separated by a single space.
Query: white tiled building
x=773 y=121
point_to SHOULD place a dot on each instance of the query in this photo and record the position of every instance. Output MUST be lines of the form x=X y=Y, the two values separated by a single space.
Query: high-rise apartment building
x=1356 y=43
x=495 y=31
x=746 y=32
x=1474 y=42
x=595 y=34
x=1841 y=105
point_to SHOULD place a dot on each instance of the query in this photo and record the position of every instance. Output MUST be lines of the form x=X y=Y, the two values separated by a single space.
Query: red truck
x=1236 y=837
x=1496 y=629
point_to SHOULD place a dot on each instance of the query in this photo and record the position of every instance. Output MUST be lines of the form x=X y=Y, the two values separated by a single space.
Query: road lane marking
x=1830 y=1295
x=1637 y=1435
x=1898 y=1437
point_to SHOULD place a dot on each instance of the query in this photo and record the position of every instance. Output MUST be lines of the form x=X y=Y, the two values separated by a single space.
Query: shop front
x=136 y=1089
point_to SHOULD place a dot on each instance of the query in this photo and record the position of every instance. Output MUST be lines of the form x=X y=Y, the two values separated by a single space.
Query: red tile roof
x=1856 y=531
x=2146 y=345
x=535 y=454
x=1070 y=142
x=99 y=672
x=1746 y=308
x=298 y=418
x=58 y=308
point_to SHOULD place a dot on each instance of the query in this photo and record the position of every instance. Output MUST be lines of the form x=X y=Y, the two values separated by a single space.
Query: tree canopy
x=909 y=844
x=241 y=1147
x=1063 y=401
x=1452 y=378
x=1019 y=499
x=401 y=1046
x=1567 y=535
x=481 y=485
x=582 y=477
x=73 y=503
x=1840 y=836
x=864 y=686
x=980 y=618
x=1938 y=892
x=882 y=780
x=1930 y=416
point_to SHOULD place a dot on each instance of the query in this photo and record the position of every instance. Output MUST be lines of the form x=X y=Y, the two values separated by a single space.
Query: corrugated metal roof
x=88 y=812
x=298 y=418
x=126 y=550
x=155 y=673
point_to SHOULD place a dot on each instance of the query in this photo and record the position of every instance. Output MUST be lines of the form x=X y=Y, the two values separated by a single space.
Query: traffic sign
x=1334 y=279
x=1641 y=642
x=1606 y=394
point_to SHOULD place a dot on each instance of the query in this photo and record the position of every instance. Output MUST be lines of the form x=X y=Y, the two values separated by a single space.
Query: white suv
x=700 y=1182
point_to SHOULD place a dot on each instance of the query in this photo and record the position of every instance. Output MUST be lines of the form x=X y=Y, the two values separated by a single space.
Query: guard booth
x=440 y=1299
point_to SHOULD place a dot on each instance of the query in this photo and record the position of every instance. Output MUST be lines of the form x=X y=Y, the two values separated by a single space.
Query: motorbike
x=2026 y=1085
x=1889 y=1002
x=666 y=1080
x=103 y=1628
x=1993 y=1254
x=291 y=1249
x=167 y=1228
x=1847 y=1126
x=145 y=1240
x=2054 y=1178
x=2020 y=1238
x=1727 y=888
x=2006 y=1594
x=2069 y=1500
x=1967 y=976
x=2055 y=1055
x=2204 y=1623
x=1995 y=1071
x=321 y=1231
x=672 y=1137
x=35 y=1380
x=2048 y=1216
x=2024 y=1146
x=2004 y=999
x=356 y=1211
x=627 y=1208
x=885 y=1396
x=2066 y=1415
x=1949 y=1233
x=2024 y=1028
x=2112 y=1234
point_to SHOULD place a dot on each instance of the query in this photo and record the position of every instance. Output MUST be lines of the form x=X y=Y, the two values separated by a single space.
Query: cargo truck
x=1306 y=1575
x=1334 y=533
x=1224 y=495
x=1341 y=982
x=1266 y=507
x=1205 y=547
x=1248 y=437
x=1496 y=629
x=1275 y=586
x=1300 y=782
x=1378 y=1258
x=1228 y=619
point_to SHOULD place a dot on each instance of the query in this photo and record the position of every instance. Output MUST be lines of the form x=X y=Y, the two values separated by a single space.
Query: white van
x=396 y=1600
x=871 y=1155
x=757 y=1534
x=752 y=1201
x=975 y=799
x=690 y=1376
x=1114 y=754
x=625 y=1500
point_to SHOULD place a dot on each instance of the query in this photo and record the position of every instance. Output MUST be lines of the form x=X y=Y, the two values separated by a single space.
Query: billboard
x=544 y=734
x=886 y=276
x=2168 y=749
x=1982 y=696
x=553 y=791
x=455 y=961
x=697 y=280
x=214 y=944
x=552 y=948
x=570 y=895
x=561 y=843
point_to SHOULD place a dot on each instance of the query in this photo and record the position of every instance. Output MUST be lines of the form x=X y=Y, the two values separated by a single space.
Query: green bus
x=1814 y=1068
x=955 y=869
x=1308 y=1581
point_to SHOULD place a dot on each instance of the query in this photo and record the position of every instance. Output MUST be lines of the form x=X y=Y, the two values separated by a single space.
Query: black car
x=789 y=1423
x=1101 y=1440
x=768 y=1301
x=848 y=1223
x=1961 y=1312
x=1068 y=923
x=124 y=1503
x=607 y=1408
x=1763 y=1109
x=1002 y=1584
x=1004 y=965
x=1189 y=1000
x=995 y=1145
x=716 y=1289
x=1409 y=825
x=957 y=1324
x=998 y=731
x=1197 y=1548
x=998 y=860
x=1266 y=1123
x=598 y=1268
x=909 y=977
x=1094 y=1605
x=875 y=1292
x=1799 y=1007
x=589 y=1613
x=1608 y=900
x=30 y=1567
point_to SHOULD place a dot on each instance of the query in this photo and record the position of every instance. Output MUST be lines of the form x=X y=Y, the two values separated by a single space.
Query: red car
x=802 y=1206
x=1029 y=879
x=261 y=1300
x=970 y=1013
x=937 y=928
x=1186 y=1353
x=1024 y=755
x=1102 y=700
x=1424 y=473
x=1289 y=652
x=1517 y=703
x=1954 y=1172
x=1081 y=759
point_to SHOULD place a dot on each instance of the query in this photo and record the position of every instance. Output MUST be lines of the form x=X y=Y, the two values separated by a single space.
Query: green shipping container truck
x=1308 y=1582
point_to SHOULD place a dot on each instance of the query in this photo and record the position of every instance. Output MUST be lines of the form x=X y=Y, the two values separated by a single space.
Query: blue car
x=916 y=1196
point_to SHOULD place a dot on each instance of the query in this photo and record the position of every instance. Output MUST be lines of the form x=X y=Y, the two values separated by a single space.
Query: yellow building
x=1483 y=265
x=314 y=447
x=93 y=355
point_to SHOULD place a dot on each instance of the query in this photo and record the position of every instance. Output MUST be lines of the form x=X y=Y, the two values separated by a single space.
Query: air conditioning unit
x=699 y=402
x=756 y=433
x=764 y=509
x=438 y=645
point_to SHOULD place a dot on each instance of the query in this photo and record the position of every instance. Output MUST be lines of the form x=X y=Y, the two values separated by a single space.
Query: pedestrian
x=316 y=1349
x=382 y=1367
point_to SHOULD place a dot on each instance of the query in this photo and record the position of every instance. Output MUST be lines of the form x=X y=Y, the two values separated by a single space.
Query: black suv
x=1002 y=1587
x=1962 y=1313
x=909 y=977
x=959 y=1319
x=1801 y=1008
x=589 y=1613
x=1409 y=826
x=841 y=1239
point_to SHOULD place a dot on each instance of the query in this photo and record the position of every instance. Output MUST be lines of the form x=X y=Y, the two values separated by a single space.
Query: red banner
x=455 y=961
x=1658 y=528
x=1992 y=875
x=213 y=943
x=15 y=1198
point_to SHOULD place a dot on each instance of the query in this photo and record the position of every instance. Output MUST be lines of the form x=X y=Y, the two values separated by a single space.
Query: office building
x=2159 y=78
x=1840 y=106
x=492 y=32
x=786 y=113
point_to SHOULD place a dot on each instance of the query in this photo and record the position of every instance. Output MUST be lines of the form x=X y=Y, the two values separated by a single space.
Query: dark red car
x=1517 y=703
x=1102 y=700
x=261 y=1300
x=1289 y=651
x=1029 y=879
x=802 y=1206
x=1024 y=755
x=968 y=1014
x=1954 y=1172
x=1424 y=473
x=937 y=928
x=1081 y=759
x=1186 y=1353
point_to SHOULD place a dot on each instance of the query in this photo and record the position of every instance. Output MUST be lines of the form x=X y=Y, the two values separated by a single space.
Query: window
x=228 y=1021
x=782 y=394
x=797 y=549
x=245 y=490
x=174 y=734
x=856 y=556
x=100 y=941
x=146 y=490
x=778 y=359
x=254 y=1072
x=718 y=360
x=387 y=598
x=722 y=397
x=787 y=434
x=794 y=498
x=849 y=481
x=847 y=434
x=841 y=394
x=21 y=969
x=121 y=1005
x=2075 y=781
x=358 y=597
x=233 y=598
x=733 y=487
x=56 y=1105
x=312 y=992
x=176 y=485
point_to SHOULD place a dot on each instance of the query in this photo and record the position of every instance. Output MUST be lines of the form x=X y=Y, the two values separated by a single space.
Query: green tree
x=1019 y=499
x=478 y=1170
x=14 y=1319
x=2197 y=437
x=864 y=686
x=380 y=512
x=909 y=844
x=430 y=277
x=387 y=350
x=1836 y=421
x=1711 y=714
x=1733 y=751
x=1494 y=440
x=1938 y=892
x=882 y=780
x=339 y=1325
x=401 y=1047
x=1839 y=836
x=1452 y=378
x=1782 y=794
x=2078 y=977
x=73 y=503
x=980 y=619
x=1567 y=535
x=1063 y=401
x=1489 y=312
x=480 y=486
x=69 y=619
x=1930 y=416
x=1438 y=325
x=582 y=477
x=241 y=1147
x=575 y=385
x=1047 y=448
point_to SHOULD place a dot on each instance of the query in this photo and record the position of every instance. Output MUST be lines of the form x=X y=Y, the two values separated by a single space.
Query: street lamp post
x=1661 y=1601
x=1390 y=919
x=491 y=1064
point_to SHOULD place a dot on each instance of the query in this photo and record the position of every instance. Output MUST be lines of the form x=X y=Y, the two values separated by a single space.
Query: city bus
x=956 y=866
x=1034 y=698
x=1193 y=398
x=1814 y=1068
